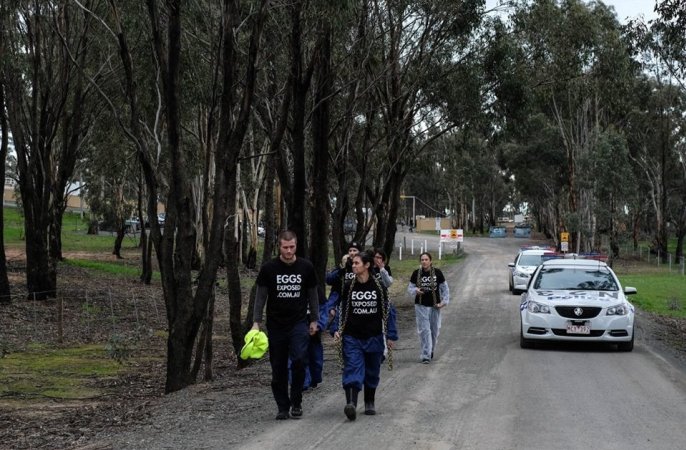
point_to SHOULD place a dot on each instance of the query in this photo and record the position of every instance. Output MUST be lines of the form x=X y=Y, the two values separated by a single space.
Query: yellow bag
x=256 y=345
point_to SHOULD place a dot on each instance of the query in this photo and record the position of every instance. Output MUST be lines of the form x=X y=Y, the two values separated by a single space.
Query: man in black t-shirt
x=287 y=285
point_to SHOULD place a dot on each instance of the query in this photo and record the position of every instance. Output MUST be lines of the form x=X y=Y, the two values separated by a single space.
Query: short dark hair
x=378 y=251
x=287 y=235
x=367 y=257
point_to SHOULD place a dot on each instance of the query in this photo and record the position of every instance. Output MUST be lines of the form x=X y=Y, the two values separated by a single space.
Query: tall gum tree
x=187 y=297
x=578 y=77
x=48 y=113
x=5 y=291
x=411 y=41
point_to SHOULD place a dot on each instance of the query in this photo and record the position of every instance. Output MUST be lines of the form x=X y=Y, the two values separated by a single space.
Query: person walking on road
x=366 y=331
x=287 y=285
x=431 y=294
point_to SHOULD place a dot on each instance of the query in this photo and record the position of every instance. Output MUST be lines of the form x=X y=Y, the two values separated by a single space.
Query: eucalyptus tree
x=654 y=137
x=158 y=132
x=416 y=45
x=49 y=112
x=660 y=47
x=670 y=25
x=110 y=178
x=578 y=76
x=5 y=291
x=614 y=184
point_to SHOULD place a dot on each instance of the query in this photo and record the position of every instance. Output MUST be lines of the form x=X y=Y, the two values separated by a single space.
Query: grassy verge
x=60 y=373
x=113 y=267
x=660 y=293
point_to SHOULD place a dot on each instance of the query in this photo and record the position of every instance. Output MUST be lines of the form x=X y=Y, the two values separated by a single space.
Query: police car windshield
x=529 y=260
x=575 y=279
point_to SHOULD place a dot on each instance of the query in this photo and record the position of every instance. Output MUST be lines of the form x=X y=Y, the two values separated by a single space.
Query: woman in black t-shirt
x=365 y=331
x=431 y=294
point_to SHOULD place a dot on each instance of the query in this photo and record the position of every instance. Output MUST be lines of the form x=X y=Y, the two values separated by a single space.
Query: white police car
x=576 y=300
x=524 y=265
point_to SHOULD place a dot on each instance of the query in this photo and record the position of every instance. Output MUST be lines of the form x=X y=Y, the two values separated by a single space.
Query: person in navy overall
x=366 y=329
x=315 y=350
x=288 y=286
x=337 y=278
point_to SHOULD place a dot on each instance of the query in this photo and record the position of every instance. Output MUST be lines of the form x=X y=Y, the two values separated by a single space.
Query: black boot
x=350 y=409
x=369 y=401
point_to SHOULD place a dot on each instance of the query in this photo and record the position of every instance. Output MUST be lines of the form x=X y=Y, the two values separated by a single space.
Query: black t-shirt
x=429 y=286
x=363 y=317
x=287 y=284
x=344 y=276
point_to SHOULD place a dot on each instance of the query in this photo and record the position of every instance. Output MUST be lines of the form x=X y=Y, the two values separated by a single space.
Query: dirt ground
x=135 y=401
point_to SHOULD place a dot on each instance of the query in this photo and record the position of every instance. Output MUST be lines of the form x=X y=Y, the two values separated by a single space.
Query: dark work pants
x=362 y=361
x=316 y=359
x=285 y=343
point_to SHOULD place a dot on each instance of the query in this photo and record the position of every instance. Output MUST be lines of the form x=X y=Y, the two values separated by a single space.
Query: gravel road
x=481 y=391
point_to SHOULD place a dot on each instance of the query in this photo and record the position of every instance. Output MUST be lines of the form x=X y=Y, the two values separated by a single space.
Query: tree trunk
x=319 y=219
x=5 y=292
x=233 y=278
x=296 y=199
x=41 y=277
x=269 y=207
x=121 y=232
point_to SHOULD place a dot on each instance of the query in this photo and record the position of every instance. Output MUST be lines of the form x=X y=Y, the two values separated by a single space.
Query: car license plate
x=578 y=329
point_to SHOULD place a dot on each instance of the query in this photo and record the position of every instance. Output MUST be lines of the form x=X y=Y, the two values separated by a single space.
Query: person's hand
x=344 y=260
x=336 y=336
x=255 y=326
x=390 y=344
x=313 y=328
x=418 y=291
x=440 y=305
x=332 y=313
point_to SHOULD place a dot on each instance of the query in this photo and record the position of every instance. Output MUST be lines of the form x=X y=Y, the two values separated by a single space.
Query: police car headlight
x=618 y=310
x=538 y=308
x=521 y=274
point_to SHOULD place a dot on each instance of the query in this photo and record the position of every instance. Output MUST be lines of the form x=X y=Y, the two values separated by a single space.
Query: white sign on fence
x=454 y=235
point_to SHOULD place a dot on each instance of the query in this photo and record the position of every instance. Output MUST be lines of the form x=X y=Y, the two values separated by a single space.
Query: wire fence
x=665 y=261
x=123 y=320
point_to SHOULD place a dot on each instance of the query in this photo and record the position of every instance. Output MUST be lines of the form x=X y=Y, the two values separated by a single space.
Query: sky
x=632 y=8
x=624 y=8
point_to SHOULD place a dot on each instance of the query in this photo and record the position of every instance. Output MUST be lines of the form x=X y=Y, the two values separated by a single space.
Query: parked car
x=577 y=300
x=497 y=232
x=132 y=225
x=522 y=230
x=524 y=265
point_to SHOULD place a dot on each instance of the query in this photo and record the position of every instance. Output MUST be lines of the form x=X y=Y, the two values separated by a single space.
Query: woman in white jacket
x=431 y=294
